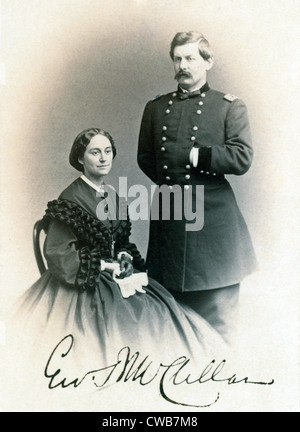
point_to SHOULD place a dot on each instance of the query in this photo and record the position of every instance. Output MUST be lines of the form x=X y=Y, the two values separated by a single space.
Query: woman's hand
x=126 y=267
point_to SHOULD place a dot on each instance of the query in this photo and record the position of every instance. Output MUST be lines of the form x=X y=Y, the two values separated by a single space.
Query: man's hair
x=184 y=38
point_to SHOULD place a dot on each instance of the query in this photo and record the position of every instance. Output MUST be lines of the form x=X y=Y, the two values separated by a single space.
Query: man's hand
x=194 y=156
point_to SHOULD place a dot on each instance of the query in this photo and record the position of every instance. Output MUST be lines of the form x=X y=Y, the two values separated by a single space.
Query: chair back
x=37 y=229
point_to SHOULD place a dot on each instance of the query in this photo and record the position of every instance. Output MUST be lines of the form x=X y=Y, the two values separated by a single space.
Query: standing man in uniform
x=195 y=136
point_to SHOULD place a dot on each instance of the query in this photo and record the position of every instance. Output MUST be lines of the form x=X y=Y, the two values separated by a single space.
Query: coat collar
x=184 y=94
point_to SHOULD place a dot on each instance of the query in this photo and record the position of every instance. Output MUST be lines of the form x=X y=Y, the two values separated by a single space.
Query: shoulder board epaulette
x=230 y=97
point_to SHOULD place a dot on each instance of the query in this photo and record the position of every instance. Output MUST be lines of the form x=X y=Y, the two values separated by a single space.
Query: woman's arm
x=128 y=251
x=69 y=263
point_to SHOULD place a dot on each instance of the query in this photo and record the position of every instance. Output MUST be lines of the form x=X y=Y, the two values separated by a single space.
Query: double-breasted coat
x=221 y=252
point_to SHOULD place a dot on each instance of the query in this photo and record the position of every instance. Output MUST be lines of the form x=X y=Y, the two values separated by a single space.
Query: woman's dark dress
x=73 y=297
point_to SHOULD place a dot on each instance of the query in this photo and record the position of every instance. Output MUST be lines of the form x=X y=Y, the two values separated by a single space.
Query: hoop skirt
x=74 y=319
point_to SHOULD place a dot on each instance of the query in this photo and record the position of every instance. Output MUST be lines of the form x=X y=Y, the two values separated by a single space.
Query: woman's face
x=97 y=158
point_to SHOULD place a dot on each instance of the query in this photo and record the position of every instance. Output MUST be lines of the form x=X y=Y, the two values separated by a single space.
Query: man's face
x=190 y=67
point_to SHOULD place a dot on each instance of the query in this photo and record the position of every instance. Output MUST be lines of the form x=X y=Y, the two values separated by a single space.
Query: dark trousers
x=219 y=307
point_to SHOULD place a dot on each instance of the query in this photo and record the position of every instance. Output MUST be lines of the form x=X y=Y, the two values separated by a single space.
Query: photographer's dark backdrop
x=75 y=64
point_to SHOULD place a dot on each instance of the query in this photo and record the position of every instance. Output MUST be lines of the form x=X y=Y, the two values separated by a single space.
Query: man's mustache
x=183 y=74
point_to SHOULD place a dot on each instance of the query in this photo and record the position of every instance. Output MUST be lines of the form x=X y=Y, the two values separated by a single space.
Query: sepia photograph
x=149 y=195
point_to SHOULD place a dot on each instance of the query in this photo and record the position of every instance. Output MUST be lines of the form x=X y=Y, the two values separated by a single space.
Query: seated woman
x=95 y=288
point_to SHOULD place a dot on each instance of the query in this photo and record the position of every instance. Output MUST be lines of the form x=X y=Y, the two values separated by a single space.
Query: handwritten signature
x=131 y=367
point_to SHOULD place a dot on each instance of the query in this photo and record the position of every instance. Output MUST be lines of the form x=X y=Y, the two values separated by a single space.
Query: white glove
x=114 y=267
x=129 y=285
x=132 y=284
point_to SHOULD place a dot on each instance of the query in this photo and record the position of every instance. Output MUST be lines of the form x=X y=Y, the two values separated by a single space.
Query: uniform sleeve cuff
x=204 y=159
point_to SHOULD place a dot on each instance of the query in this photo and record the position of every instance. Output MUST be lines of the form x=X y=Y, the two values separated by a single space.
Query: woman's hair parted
x=82 y=141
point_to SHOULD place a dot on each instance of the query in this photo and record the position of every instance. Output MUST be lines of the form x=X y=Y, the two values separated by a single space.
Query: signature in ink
x=131 y=367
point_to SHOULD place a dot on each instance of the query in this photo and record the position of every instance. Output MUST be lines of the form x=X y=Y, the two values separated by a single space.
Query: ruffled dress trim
x=95 y=240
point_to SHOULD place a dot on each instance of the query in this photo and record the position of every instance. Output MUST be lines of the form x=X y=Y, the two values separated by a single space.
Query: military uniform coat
x=221 y=253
